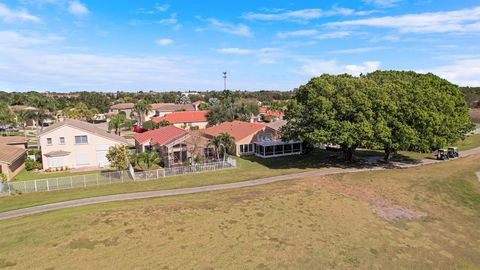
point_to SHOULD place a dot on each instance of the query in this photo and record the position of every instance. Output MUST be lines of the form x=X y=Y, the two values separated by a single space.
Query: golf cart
x=442 y=154
x=452 y=152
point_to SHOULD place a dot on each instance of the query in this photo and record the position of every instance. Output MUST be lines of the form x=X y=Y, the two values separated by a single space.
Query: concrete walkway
x=181 y=191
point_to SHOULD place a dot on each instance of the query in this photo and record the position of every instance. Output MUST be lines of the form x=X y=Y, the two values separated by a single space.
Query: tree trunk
x=389 y=154
x=348 y=153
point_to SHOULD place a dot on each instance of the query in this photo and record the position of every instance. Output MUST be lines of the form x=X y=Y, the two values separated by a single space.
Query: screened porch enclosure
x=267 y=149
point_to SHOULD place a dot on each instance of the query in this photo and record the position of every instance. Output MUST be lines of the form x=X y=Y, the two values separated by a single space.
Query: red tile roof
x=160 y=136
x=238 y=129
x=267 y=111
x=183 y=117
x=198 y=102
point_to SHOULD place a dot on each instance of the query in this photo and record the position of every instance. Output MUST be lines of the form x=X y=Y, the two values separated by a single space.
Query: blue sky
x=70 y=45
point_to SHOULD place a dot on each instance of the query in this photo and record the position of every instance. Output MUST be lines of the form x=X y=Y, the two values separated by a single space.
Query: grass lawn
x=248 y=168
x=312 y=223
x=31 y=175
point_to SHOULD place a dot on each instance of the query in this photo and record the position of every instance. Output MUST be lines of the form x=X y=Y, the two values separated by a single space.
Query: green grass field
x=312 y=223
x=249 y=168
x=31 y=175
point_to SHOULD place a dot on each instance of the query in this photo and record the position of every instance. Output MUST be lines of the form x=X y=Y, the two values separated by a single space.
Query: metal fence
x=166 y=172
x=106 y=178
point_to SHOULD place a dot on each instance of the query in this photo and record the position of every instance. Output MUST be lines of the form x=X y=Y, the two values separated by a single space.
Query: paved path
x=181 y=191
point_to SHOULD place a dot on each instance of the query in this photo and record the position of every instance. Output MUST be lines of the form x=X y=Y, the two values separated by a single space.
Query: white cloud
x=164 y=42
x=383 y=3
x=162 y=8
x=264 y=55
x=358 y=50
x=237 y=51
x=12 y=39
x=37 y=69
x=318 y=67
x=303 y=15
x=314 y=34
x=462 y=21
x=77 y=8
x=171 y=21
x=233 y=29
x=465 y=72
x=8 y=15
x=335 y=34
x=298 y=33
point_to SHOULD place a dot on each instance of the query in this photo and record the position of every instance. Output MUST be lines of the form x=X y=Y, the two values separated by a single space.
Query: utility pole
x=225 y=80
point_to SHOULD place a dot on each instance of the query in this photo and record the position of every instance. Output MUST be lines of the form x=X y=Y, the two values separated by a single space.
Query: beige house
x=162 y=109
x=76 y=144
x=126 y=108
x=185 y=120
x=13 y=152
x=175 y=146
x=256 y=139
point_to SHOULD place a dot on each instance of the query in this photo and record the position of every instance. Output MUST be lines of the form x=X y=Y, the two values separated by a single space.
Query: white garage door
x=102 y=150
x=82 y=159
x=56 y=162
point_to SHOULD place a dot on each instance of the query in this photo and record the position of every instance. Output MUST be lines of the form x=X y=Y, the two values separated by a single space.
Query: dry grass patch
x=315 y=223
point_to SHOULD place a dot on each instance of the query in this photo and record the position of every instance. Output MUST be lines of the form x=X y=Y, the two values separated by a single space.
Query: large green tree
x=332 y=109
x=392 y=110
x=418 y=112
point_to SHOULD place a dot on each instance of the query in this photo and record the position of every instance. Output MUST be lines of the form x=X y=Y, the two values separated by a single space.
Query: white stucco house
x=76 y=144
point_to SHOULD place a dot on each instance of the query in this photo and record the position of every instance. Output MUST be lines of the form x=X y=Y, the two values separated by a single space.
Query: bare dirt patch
x=382 y=206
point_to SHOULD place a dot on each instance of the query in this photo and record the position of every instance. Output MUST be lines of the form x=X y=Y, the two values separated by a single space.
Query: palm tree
x=45 y=105
x=142 y=108
x=150 y=158
x=228 y=142
x=23 y=116
x=6 y=115
x=216 y=142
x=117 y=122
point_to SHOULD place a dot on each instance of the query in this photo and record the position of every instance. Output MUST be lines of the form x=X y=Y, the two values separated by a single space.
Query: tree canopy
x=392 y=110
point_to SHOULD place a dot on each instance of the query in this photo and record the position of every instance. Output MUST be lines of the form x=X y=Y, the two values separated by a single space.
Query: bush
x=3 y=178
x=150 y=125
x=32 y=165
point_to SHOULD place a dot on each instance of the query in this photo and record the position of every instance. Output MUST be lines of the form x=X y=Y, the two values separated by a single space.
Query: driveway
x=181 y=191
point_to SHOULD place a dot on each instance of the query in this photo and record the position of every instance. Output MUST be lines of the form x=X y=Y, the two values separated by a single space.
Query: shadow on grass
x=319 y=158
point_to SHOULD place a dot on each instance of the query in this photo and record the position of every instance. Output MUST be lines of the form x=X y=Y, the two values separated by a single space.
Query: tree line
x=389 y=110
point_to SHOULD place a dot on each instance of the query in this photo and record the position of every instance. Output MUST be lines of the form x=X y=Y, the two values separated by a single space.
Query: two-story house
x=76 y=144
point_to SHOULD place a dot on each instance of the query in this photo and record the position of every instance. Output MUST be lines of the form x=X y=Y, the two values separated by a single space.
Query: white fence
x=106 y=178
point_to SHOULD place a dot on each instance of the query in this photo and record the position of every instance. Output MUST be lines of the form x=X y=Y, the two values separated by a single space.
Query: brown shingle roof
x=172 y=107
x=277 y=125
x=122 y=106
x=8 y=154
x=90 y=128
x=13 y=139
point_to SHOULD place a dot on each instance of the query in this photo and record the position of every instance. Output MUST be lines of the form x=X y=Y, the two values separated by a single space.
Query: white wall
x=92 y=153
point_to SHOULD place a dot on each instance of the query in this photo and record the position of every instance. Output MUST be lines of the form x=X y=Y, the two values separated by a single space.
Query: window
x=62 y=140
x=208 y=152
x=246 y=148
x=81 y=139
x=49 y=141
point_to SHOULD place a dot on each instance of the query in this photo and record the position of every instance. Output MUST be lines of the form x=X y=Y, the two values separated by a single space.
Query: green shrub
x=32 y=165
